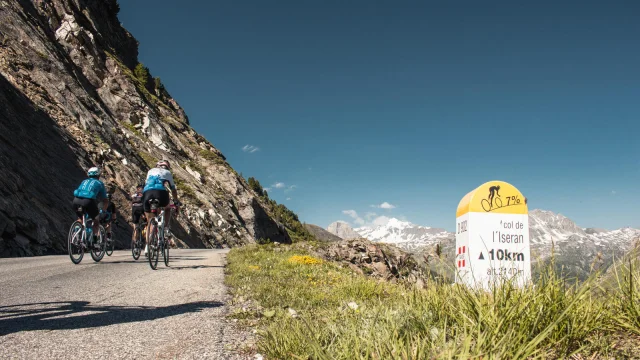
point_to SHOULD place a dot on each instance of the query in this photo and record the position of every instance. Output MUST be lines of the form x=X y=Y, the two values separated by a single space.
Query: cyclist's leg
x=91 y=209
x=149 y=195
x=163 y=196
x=135 y=224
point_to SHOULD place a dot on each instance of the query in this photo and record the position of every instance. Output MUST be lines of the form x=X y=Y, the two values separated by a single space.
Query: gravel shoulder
x=118 y=308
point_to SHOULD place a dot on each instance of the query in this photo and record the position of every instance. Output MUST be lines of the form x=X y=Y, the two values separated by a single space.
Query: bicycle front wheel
x=74 y=242
x=109 y=245
x=154 y=245
x=165 y=252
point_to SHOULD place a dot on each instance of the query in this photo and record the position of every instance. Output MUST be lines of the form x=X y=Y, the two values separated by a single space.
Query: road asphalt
x=114 y=309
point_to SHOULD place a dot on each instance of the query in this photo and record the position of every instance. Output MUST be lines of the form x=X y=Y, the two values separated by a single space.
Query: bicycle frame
x=160 y=218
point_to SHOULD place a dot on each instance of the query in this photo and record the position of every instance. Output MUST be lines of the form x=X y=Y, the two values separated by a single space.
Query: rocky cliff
x=343 y=230
x=73 y=95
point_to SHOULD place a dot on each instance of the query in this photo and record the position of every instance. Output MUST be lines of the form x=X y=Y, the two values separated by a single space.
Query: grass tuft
x=342 y=315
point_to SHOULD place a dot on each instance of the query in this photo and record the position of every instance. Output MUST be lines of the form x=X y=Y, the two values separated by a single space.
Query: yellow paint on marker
x=493 y=197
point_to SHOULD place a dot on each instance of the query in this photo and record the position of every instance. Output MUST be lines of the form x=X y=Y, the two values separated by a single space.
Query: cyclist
x=89 y=193
x=109 y=215
x=137 y=209
x=155 y=189
x=493 y=189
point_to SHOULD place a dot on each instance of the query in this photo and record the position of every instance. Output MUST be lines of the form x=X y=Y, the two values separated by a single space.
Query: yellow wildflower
x=306 y=260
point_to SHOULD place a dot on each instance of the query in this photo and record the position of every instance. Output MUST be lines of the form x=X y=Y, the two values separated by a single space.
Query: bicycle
x=157 y=241
x=490 y=206
x=138 y=244
x=110 y=243
x=79 y=232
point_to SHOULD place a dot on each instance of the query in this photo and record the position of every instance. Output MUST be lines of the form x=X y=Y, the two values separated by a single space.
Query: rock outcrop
x=321 y=234
x=69 y=99
x=377 y=260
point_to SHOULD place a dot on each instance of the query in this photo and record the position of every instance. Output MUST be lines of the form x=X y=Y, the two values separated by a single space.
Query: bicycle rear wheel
x=154 y=245
x=98 y=250
x=74 y=242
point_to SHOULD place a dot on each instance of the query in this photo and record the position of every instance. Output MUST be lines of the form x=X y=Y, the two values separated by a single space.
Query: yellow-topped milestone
x=497 y=197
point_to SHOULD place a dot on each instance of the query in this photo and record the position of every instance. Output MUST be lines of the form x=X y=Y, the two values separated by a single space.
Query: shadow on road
x=181 y=267
x=81 y=314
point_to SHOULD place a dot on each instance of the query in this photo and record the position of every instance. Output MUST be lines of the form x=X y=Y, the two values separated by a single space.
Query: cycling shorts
x=90 y=207
x=136 y=213
x=161 y=195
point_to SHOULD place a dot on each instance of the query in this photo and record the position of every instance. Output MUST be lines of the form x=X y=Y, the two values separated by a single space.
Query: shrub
x=255 y=186
x=142 y=74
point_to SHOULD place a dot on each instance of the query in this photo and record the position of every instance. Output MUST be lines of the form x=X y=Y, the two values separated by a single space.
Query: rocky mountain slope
x=577 y=251
x=321 y=234
x=343 y=230
x=73 y=95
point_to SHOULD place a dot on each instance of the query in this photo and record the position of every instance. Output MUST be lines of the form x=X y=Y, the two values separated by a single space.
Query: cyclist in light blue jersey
x=154 y=188
x=89 y=193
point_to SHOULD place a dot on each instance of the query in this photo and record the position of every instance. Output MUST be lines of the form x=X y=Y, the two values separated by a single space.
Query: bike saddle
x=154 y=204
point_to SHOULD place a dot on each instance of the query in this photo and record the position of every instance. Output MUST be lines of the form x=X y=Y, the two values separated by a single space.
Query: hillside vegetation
x=309 y=308
x=282 y=214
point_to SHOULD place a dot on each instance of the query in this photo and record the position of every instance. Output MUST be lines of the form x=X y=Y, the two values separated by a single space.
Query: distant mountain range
x=576 y=249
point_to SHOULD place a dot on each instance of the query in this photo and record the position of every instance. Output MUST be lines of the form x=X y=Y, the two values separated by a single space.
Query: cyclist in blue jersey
x=89 y=193
x=154 y=188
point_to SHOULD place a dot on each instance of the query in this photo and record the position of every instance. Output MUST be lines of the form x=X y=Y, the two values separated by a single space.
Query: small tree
x=255 y=186
x=142 y=73
x=159 y=86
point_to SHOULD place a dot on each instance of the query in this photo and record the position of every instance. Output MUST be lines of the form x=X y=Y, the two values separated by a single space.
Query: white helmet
x=94 y=171
x=163 y=163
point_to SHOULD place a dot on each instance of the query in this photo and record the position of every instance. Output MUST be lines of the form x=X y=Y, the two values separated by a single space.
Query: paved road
x=117 y=308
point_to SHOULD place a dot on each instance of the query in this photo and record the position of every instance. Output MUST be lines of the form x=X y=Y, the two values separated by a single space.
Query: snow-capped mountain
x=404 y=234
x=546 y=226
x=576 y=249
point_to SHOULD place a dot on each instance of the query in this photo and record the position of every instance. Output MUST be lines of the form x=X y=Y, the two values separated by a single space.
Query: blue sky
x=354 y=104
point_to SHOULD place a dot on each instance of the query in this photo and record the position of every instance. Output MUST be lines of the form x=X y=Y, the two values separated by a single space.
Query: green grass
x=444 y=321
x=139 y=84
x=148 y=159
x=212 y=156
x=195 y=166
x=131 y=128
x=186 y=190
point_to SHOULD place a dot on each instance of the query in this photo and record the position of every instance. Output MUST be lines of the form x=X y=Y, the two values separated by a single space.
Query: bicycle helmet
x=93 y=172
x=164 y=163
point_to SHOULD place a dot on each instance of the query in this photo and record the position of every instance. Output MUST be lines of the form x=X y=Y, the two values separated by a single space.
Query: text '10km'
x=505 y=255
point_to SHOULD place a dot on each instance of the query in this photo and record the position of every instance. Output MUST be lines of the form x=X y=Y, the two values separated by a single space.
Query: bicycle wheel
x=165 y=252
x=485 y=205
x=97 y=250
x=136 y=245
x=154 y=245
x=74 y=242
x=109 y=245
